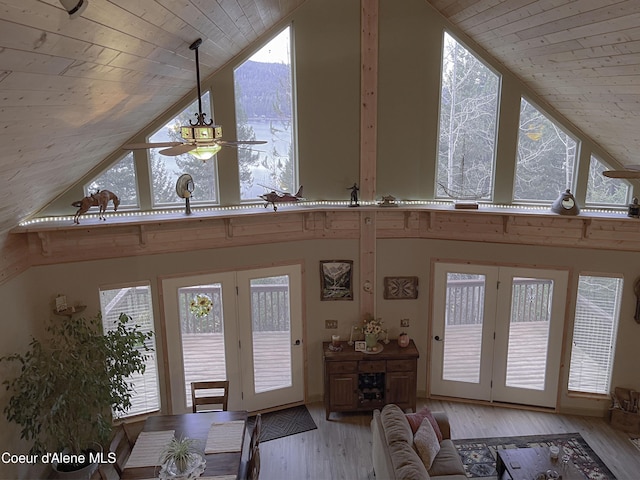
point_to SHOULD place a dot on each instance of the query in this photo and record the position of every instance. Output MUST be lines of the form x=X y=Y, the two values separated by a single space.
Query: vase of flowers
x=372 y=328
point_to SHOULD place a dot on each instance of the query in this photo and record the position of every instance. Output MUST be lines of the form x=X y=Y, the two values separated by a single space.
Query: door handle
x=438 y=339
x=297 y=343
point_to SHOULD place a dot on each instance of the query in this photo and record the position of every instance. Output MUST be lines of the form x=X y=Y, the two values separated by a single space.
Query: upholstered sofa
x=397 y=457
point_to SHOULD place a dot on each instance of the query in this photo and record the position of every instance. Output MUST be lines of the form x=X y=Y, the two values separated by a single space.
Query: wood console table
x=357 y=381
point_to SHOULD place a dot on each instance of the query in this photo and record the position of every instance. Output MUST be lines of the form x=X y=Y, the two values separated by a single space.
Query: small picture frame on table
x=361 y=346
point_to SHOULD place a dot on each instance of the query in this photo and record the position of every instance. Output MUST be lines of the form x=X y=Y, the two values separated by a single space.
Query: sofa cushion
x=426 y=443
x=407 y=465
x=396 y=426
x=448 y=461
x=382 y=464
x=406 y=462
x=415 y=420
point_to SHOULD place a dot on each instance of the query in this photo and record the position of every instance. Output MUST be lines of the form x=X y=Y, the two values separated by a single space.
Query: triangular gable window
x=120 y=179
x=603 y=191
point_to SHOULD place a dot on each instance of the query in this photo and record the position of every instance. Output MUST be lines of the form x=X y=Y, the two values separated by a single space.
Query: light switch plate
x=331 y=324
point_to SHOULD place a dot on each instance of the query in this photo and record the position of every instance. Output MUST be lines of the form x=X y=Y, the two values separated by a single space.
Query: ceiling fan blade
x=135 y=146
x=622 y=173
x=235 y=143
x=178 y=149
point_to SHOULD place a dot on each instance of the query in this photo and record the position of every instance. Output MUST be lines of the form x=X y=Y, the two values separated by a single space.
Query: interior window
x=468 y=118
x=165 y=170
x=120 y=179
x=546 y=157
x=264 y=111
x=602 y=190
x=135 y=301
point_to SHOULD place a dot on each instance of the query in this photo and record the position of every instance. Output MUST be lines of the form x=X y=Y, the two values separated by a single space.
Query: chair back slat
x=201 y=395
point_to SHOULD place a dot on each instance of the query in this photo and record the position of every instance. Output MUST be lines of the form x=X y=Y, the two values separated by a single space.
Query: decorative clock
x=565 y=204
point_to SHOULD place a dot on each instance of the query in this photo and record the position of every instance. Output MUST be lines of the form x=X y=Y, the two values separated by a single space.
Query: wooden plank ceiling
x=72 y=91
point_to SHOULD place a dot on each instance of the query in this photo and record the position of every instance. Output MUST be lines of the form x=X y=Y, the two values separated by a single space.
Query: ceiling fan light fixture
x=74 y=7
x=205 y=152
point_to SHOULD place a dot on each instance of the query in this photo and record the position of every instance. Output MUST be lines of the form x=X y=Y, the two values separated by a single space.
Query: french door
x=250 y=332
x=497 y=333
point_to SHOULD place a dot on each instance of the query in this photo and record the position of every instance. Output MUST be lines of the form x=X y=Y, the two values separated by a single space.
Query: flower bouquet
x=372 y=328
x=201 y=305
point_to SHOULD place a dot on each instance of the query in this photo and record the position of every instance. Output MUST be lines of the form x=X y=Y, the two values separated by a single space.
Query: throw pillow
x=426 y=443
x=415 y=420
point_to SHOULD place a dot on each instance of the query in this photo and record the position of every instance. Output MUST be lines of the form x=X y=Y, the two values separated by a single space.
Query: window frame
x=491 y=196
x=614 y=337
x=154 y=353
x=122 y=206
x=616 y=206
x=214 y=160
x=294 y=109
x=576 y=157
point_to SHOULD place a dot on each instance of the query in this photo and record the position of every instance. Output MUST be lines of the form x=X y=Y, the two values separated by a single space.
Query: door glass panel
x=531 y=300
x=464 y=315
x=271 y=333
x=202 y=332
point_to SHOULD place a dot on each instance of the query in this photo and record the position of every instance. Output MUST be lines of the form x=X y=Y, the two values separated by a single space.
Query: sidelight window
x=135 y=301
x=594 y=334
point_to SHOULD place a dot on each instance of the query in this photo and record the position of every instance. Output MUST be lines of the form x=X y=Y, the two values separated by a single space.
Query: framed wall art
x=400 y=288
x=336 y=280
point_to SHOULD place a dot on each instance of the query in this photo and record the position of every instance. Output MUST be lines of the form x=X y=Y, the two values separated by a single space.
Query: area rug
x=479 y=454
x=284 y=423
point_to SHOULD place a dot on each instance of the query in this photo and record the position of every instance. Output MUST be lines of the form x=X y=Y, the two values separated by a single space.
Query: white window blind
x=135 y=301
x=594 y=334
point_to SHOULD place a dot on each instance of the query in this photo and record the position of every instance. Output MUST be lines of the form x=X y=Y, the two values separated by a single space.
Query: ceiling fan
x=630 y=172
x=202 y=139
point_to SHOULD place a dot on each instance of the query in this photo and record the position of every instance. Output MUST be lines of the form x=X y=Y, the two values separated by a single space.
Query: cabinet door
x=343 y=391
x=401 y=388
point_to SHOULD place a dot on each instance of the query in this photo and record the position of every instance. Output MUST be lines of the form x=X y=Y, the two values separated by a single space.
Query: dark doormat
x=284 y=423
x=479 y=454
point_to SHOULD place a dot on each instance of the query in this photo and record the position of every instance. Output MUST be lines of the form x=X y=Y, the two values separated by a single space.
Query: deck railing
x=269 y=309
x=531 y=300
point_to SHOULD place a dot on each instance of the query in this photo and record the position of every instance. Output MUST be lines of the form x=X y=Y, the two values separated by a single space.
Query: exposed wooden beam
x=368 y=150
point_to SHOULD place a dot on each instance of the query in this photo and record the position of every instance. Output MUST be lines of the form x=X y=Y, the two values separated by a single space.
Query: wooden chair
x=207 y=398
x=253 y=464
x=121 y=443
x=253 y=470
x=255 y=435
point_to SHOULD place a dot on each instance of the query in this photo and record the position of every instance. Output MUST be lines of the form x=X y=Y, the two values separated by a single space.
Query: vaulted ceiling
x=72 y=91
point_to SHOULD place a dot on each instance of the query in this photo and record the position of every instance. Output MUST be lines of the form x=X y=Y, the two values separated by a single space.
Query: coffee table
x=527 y=463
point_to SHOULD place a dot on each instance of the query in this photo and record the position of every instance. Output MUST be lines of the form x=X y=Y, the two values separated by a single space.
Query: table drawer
x=401 y=365
x=342 y=367
x=372 y=366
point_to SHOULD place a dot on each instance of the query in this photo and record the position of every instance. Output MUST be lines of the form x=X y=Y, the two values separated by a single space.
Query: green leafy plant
x=72 y=382
x=182 y=453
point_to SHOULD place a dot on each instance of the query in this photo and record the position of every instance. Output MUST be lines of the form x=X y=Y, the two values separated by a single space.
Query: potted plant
x=181 y=458
x=72 y=382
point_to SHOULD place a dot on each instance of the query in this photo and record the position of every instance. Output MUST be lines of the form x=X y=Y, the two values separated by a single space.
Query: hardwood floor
x=341 y=448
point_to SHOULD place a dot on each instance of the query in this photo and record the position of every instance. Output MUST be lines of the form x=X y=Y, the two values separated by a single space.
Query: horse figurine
x=99 y=199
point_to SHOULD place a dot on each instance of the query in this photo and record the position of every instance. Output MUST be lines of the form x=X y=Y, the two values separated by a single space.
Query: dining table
x=222 y=434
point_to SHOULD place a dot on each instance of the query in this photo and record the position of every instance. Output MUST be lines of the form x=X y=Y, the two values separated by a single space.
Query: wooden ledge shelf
x=62 y=241
x=71 y=311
